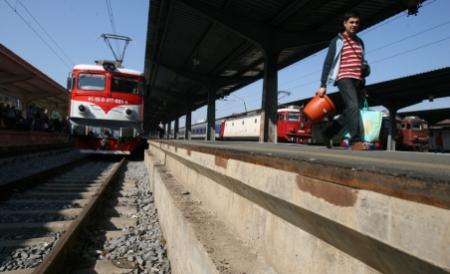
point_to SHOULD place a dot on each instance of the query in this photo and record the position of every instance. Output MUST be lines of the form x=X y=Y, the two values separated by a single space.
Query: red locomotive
x=106 y=107
x=413 y=134
x=291 y=126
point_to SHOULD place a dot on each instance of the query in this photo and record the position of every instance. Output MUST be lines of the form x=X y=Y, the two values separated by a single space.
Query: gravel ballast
x=142 y=249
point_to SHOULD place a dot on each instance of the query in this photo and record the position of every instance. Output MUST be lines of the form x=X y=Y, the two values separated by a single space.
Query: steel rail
x=34 y=179
x=56 y=261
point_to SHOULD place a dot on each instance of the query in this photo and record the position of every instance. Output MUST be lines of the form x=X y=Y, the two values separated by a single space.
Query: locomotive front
x=106 y=108
x=292 y=126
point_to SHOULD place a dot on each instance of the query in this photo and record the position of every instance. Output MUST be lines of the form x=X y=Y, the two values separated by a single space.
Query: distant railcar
x=292 y=126
x=413 y=134
x=198 y=131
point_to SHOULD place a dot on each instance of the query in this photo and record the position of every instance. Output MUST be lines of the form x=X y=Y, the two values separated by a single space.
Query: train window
x=70 y=82
x=91 y=82
x=242 y=121
x=256 y=120
x=416 y=126
x=280 y=117
x=126 y=85
x=293 y=117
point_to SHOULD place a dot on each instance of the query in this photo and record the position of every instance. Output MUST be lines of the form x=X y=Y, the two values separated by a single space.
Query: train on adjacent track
x=294 y=127
x=413 y=134
x=106 y=108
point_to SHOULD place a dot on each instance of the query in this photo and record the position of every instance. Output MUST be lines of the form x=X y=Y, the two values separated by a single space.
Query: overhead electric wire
x=387 y=58
x=411 y=50
x=411 y=36
x=112 y=21
x=46 y=33
x=388 y=21
x=111 y=16
x=392 y=19
x=38 y=35
x=363 y=32
x=378 y=61
x=377 y=49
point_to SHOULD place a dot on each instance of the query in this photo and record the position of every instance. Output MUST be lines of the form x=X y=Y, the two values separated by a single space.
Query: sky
x=76 y=27
x=400 y=46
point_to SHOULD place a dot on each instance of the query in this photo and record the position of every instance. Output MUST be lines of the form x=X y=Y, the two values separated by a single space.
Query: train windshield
x=293 y=117
x=417 y=126
x=91 y=82
x=126 y=85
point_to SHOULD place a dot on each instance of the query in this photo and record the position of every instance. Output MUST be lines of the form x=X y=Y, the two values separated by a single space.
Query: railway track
x=41 y=226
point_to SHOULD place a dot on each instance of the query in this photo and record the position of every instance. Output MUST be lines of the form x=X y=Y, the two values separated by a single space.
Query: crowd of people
x=34 y=118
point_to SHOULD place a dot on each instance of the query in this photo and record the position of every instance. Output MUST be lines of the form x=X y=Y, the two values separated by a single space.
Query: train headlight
x=82 y=108
x=128 y=112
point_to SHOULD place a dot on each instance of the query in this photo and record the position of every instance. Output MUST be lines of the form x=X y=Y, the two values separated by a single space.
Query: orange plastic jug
x=318 y=107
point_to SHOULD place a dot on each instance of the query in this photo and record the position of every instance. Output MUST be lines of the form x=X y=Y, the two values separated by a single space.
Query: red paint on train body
x=292 y=126
x=106 y=108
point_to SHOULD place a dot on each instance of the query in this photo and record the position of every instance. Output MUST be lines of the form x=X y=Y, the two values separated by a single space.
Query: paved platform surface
x=12 y=142
x=418 y=165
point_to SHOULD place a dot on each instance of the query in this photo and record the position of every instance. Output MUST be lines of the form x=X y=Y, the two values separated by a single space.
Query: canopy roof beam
x=264 y=36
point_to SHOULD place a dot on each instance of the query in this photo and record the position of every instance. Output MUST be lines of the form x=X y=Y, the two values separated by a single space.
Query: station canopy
x=196 y=46
x=21 y=80
x=435 y=117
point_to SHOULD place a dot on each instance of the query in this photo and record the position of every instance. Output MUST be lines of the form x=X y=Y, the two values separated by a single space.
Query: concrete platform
x=311 y=210
x=410 y=172
x=27 y=141
x=424 y=165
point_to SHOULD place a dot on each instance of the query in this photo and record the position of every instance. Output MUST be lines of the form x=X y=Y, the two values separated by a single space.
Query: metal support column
x=166 y=130
x=147 y=119
x=392 y=129
x=175 y=130
x=169 y=129
x=268 y=130
x=187 y=127
x=211 y=116
x=161 y=130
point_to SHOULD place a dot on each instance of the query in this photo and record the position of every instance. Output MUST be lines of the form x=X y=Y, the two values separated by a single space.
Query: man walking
x=343 y=68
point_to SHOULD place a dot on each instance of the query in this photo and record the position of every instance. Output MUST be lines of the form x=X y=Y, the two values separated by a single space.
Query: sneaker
x=345 y=143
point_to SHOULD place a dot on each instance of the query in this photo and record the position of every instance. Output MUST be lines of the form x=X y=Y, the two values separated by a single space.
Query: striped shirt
x=351 y=59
